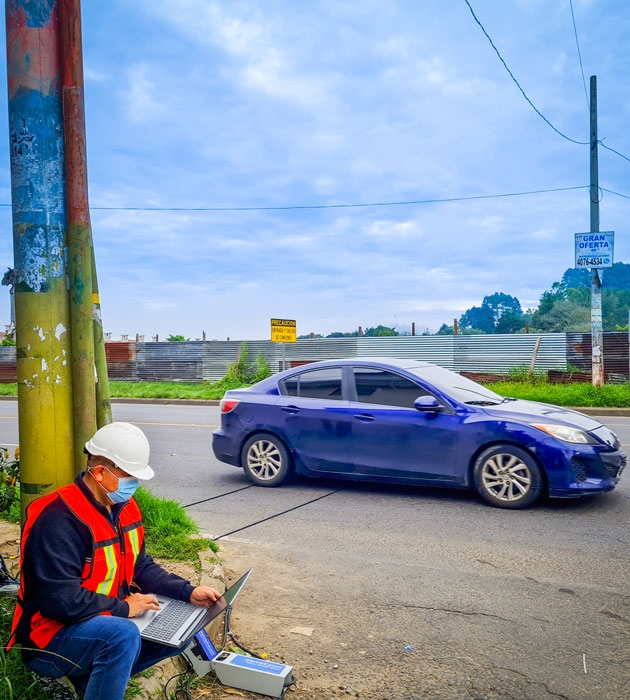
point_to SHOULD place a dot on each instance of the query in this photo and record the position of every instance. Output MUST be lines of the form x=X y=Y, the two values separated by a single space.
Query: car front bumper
x=587 y=471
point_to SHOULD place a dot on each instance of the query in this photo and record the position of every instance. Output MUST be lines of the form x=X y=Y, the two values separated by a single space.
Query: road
x=399 y=593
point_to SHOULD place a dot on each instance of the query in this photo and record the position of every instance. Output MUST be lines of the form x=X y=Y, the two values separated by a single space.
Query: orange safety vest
x=108 y=570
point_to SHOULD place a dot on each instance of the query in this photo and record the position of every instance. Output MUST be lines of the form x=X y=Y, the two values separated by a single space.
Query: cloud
x=142 y=94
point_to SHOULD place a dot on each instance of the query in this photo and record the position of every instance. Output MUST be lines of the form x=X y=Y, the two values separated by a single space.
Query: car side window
x=380 y=386
x=315 y=384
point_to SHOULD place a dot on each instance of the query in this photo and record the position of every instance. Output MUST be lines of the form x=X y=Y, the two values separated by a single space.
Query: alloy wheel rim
x=264 y=459
x=506 y=477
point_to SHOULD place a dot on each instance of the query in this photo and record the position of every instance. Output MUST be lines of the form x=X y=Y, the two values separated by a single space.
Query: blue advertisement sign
x=595 y=249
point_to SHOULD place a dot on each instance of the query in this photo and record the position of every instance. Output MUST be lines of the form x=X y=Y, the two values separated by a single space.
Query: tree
x=339 y=334
x=501 y=303
x=177 y=339
x=479 y=318
x=486 y=318
x=564 y=317
x=510 y=322
x=379 y=332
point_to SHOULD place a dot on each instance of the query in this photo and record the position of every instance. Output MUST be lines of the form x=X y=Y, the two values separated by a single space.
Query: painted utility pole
x=40 y=247
x=596 y=283
x=79 y=229
x=103 y=399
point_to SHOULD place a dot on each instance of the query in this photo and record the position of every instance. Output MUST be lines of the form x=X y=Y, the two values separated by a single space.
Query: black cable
x=212 y=498
x=271 y=517
x=300 y=207
x=176 y=678
x=227 y=632
x=608 y=148
x=540 y=114
x=577 y=43
x=625 y=196
x=518 y=85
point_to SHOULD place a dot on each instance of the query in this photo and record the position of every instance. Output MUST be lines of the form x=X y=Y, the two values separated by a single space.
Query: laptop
x=177 y=621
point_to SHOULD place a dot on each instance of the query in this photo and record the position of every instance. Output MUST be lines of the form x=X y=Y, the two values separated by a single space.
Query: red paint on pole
x=74 y=112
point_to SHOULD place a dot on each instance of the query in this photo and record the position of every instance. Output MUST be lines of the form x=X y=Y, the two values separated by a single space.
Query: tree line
x=564 y=308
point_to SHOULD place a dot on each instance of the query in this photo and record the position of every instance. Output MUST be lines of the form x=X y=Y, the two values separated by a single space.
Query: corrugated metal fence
x=496 y=354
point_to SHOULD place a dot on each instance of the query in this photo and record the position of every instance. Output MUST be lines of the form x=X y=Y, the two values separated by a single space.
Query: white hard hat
x=125 y=445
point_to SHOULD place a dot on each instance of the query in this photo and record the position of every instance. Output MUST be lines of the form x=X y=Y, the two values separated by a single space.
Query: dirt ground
x=310 y=684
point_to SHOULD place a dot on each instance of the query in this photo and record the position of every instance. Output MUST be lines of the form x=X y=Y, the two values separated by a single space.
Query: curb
x=180 y=402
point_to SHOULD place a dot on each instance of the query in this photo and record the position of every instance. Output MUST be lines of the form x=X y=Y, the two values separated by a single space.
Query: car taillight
x=228 y=405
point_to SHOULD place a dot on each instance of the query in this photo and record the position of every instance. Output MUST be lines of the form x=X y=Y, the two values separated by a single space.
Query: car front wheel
x=507 y=477
x=265 y=460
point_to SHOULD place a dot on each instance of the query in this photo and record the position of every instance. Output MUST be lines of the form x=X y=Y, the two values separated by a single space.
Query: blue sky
x=195 y=104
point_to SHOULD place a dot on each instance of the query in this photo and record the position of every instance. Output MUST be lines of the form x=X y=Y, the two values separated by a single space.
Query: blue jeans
x=99 y=655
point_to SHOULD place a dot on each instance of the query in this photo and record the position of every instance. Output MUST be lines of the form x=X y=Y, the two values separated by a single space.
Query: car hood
x=535 y=412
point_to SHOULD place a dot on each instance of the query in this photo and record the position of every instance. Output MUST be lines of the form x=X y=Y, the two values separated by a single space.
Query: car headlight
x=566 y=433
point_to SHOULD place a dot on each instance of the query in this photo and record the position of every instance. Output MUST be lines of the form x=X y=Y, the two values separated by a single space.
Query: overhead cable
x=542 y=116
x=577 y=43
x=518 y=85
x=292 y=207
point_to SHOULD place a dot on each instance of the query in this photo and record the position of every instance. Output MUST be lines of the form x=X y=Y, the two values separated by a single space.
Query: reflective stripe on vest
x=109 y=568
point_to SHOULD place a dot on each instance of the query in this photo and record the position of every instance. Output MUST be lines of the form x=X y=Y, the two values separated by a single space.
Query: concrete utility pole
x=59 y=334
x=92 y=407
x=596 y=283
x=40 y=247
x=79 y=233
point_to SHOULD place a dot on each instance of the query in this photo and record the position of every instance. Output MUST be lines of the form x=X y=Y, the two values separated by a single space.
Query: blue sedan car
x=404 y=421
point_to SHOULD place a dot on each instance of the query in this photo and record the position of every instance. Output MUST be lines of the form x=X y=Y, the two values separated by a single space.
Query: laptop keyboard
x=162 y=627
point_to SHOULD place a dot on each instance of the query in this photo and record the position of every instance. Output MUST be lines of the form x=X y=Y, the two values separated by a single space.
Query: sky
x=342 y=163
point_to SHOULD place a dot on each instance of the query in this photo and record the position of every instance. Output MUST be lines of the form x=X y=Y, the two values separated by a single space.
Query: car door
x=315 y=419
x=392 y=438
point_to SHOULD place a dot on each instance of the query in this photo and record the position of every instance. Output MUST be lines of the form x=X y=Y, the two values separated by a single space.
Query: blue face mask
x=127 y=486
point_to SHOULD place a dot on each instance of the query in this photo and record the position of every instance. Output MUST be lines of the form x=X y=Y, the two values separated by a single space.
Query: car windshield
x=457 y=387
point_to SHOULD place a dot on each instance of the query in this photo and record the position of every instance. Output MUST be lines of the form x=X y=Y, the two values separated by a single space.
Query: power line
x=542 y=116
x=577 y=43
x=294 y=207
x=538 y=112
x=608 y=148
x=618 y=194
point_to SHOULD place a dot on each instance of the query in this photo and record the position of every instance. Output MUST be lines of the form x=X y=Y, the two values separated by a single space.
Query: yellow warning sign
x=283 y=330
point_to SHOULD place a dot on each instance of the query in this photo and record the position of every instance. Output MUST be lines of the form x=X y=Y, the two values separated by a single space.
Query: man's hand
x=205 y=596
x=139 y=602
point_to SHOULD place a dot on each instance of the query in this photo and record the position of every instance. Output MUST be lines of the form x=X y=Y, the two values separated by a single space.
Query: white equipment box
x=249 y=673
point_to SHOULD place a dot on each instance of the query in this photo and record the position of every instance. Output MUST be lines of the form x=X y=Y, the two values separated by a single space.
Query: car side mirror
x=427 y=403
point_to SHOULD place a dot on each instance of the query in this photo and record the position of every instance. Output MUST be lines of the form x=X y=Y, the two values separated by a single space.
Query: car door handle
x=290 y=409
x=364 y=417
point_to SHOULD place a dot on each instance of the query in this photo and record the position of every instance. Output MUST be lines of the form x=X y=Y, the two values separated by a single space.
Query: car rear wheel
x=507 y=476
x=265 y=460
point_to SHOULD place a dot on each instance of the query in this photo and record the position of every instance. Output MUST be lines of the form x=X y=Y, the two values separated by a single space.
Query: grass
x=169 y=532
x=577 y=395
x=16 y=681
x=160 y=390
x=535 y=388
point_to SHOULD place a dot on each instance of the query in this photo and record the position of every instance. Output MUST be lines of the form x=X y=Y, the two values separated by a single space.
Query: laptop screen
x=231 y=593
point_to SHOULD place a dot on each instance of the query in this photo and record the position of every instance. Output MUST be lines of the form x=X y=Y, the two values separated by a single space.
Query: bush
x=246 y=372
x=10 y=485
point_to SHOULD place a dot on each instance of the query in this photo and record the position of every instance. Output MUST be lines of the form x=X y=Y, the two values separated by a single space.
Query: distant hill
x=615 y=277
